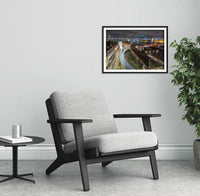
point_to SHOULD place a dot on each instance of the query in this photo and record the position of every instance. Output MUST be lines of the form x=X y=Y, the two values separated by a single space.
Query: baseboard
x=47 y=152
x=34 y=152
x=174 y=152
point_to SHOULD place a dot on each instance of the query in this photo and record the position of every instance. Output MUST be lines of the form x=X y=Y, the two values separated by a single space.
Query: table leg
x=29 y=174
x=6 y=179
x=26 y=179
x=5 y=175
x=15 y=169
x=15 y=160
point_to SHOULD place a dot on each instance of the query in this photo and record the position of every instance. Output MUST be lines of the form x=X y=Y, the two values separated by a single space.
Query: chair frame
x=90 y=156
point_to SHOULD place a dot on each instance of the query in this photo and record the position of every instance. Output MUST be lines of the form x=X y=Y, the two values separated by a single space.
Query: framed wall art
x=135 y=49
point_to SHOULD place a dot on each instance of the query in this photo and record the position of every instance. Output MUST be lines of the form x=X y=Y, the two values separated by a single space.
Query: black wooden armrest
x=57 y=121
x=135 y=115
x=145 y=118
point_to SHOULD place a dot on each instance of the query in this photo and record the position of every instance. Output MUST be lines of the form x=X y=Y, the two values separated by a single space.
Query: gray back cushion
x=86 y=104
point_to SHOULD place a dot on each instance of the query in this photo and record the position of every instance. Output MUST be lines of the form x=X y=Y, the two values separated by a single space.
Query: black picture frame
x=148 y=46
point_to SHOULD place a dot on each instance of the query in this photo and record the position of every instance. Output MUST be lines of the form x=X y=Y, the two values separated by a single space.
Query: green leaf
x=198 y=39
x=192 y=73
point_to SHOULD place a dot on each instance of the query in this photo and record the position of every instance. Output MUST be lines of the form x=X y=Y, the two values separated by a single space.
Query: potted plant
x=187 y=76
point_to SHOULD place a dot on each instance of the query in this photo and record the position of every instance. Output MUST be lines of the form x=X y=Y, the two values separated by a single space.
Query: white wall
x=48 y=45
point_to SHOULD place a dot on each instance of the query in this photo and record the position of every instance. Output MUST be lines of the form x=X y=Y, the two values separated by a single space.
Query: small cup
x=16 y=131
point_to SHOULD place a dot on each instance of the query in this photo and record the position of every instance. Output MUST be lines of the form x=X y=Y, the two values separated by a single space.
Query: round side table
x=35 y=140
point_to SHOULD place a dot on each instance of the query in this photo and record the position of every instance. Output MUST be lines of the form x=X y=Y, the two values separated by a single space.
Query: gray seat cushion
x=113 y=142
x=85 y=104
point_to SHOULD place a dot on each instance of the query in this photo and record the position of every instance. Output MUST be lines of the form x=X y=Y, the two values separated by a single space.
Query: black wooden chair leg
x=84 y=175
x=153 y=162
x=57 y=163
x=104 y=164
x=81 y=155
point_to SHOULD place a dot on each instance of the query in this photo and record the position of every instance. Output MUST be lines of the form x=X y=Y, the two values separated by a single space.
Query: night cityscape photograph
x=134 y=49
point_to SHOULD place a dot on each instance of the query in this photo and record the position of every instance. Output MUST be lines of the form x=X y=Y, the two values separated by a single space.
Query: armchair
x=84 y=130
